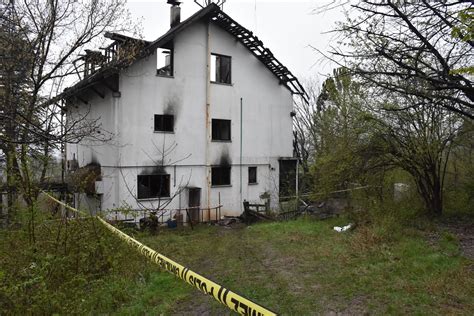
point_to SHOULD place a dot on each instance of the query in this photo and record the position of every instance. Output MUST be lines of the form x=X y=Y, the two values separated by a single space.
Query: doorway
x=194 y=202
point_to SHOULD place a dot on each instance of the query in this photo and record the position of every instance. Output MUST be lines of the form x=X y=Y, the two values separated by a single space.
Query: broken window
x=220 y=175
x=164 y=62
x=220 y=68
x=153 y=186
x=220 y=129
x=252 y=175
x=164 y=123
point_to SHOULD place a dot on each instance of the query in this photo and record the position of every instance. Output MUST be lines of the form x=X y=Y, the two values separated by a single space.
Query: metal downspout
x=208 y=120
x=241 y=146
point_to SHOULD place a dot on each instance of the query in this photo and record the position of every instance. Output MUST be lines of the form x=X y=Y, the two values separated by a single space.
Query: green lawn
x=304 y=267
x=298 y=267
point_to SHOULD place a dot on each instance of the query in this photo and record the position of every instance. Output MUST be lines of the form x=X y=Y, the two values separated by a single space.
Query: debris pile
x=343 y=228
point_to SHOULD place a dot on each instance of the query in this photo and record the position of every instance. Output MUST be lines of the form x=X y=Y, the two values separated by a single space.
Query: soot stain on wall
x=224 y=159
x=172 y=106
x=153 y=170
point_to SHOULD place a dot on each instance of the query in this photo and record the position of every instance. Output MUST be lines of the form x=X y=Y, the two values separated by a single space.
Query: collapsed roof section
x=255 y=46
x=104 y=68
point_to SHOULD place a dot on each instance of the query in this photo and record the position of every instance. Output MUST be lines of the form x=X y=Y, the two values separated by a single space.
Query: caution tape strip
x=67 y=206
x=223 y=295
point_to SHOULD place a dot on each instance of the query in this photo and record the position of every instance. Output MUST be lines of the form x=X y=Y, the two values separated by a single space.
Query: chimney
x=175 y=12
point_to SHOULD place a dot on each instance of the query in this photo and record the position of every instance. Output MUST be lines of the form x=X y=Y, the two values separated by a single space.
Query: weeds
x=386 y=265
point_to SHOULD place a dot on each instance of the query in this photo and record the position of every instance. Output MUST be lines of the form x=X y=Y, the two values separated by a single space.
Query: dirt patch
x=357 y=306
x=199 y=304
x=464 y=231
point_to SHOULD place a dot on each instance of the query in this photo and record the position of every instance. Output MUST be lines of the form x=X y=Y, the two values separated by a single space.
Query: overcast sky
x=287 y=28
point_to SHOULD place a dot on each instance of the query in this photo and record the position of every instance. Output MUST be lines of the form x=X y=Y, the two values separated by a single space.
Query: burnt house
x=200 y=115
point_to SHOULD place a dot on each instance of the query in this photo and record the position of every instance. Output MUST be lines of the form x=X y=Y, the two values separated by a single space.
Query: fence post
x=189 y=218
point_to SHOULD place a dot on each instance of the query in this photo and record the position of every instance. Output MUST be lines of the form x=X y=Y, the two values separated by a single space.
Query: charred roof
x=113 y=60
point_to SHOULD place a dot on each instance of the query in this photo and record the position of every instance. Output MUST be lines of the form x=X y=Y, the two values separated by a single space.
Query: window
x=164 y=123
x=164 y=62
x=220 y=175
x=220 y=129
x=252 y=175
x=220 y=68
x=153 y=186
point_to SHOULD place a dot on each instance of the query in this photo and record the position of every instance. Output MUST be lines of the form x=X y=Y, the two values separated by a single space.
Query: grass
x=304 y=267
x=298 y=267
x=80 y=268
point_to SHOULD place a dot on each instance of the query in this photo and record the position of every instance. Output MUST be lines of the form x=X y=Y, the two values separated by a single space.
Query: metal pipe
x=184 y=165
x=208 y=120
x=297 y=183
x=241 y=145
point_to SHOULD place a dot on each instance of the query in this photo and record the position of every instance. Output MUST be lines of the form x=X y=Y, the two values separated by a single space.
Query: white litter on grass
x=342 y=229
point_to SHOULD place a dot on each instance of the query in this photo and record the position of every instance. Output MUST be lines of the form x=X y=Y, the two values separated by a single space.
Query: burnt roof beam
x=100 y=94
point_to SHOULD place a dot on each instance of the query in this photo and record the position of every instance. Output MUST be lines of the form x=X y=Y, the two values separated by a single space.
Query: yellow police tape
x=231 y=299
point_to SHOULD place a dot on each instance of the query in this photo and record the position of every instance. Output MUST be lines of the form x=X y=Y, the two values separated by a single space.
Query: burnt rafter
x=109 y=86
x=81 y=99
x=255 y=46
x=100 y=94
x=99 y=67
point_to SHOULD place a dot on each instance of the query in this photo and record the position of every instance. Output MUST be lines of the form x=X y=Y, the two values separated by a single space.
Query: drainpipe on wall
x=117 y=138
x=208 y=120
x=297 y=183
x=241 y=145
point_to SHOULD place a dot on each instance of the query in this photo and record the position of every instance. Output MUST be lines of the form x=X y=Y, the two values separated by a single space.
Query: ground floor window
x=164 y=123
x=252 y=175
x=220 y=175
x=153 y=186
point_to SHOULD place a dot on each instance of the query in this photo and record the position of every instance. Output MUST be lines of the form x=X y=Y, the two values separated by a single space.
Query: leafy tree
x=340 y=134
x=359 y=137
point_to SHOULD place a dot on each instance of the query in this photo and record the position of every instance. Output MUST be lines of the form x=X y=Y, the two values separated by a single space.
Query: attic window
x=164 y=123
x=221 y=68
x=153 y=186
x=164 y=62
x=220 y=129
x=220 y=175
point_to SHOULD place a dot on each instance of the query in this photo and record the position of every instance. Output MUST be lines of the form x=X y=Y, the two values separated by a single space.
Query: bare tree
x=40 y=40
x=305 y=123
x=163 y=157
x=418 y=48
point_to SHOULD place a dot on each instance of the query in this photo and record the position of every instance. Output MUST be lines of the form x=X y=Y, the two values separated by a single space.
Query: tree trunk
x=11 y=172
x=432 y=195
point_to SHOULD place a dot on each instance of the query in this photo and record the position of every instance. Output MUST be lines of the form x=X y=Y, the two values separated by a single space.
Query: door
x=287 y=177
x=194 y=203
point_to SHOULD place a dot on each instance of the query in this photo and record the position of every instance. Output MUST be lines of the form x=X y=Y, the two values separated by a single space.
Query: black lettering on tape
x=225 y=297
x=236 y=304
x=197 y=283
x=245 y=309
x=186 y=274
x=204 y=287
x=219 y=295
x=211 y=292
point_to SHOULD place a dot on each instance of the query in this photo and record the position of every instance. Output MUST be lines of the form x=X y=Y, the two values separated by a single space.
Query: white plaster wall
x=266 y=122
x=267 y=126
